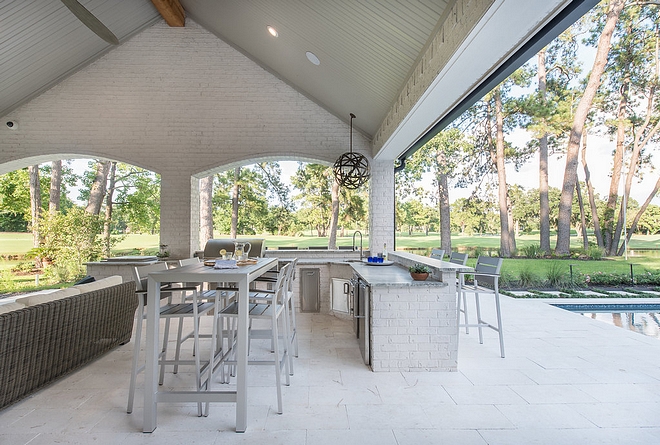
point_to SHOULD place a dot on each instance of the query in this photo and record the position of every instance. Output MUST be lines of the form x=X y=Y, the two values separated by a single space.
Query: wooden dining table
x=199 y=273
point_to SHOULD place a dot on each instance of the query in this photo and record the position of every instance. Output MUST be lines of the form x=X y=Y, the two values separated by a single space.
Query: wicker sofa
x=45 y=340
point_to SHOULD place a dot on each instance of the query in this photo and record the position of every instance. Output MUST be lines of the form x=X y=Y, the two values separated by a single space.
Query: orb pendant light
x=351 y=169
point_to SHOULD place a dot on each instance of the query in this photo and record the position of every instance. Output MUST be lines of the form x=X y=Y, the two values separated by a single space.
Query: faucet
x=354 y=246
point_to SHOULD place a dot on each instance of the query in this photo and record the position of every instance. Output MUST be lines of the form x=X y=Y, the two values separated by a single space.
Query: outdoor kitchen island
x=413 y=323
x=410 y=325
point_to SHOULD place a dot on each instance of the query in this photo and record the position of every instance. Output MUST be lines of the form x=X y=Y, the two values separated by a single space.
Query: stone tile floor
x=566 y=379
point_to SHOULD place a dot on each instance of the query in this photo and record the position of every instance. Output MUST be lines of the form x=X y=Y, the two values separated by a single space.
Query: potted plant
x=419 y=272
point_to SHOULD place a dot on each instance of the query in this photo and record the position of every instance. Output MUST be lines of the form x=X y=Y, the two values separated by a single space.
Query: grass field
x=537 y=269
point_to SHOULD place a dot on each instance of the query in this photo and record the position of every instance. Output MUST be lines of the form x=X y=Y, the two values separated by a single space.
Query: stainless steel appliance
x=360 y=307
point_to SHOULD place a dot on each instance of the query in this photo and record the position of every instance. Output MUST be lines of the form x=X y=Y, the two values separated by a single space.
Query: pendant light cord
x=351 y=144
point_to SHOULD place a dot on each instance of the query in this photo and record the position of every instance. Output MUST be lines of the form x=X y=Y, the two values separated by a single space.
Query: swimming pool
x=643 y=318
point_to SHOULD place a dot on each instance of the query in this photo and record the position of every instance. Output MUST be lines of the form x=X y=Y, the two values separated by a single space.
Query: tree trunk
x=108 y=207
x=334 y=217
x=443 y=204
x=639 y=214
x=235 y=191
x=610 y=243
x=505 y=233
x=638 y=145
x=55 y=186
x=512 y=226
x=583 y=219
x=544 y=201
x=590 y=192
x=580 y=117
x=206 y=209
x=98 y=190
x=35 y=203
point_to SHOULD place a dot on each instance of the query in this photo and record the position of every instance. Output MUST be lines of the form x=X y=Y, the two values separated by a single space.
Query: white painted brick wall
x=381 y=206
x=414 y=328
x=180 y=102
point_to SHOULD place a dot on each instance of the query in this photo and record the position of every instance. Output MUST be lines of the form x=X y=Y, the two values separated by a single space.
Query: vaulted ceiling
x=366 y=50
x=363 y=53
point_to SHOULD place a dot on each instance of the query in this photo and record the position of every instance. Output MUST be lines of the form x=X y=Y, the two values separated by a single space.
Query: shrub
x=648 y=278
x=527 y=278
x=25 y=266
x=556 y=276
x=605 y=279
x=532 y=251
x=595 y=252
x=70 y=240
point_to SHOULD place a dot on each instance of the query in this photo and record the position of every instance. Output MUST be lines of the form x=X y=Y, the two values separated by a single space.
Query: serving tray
x=384 y=263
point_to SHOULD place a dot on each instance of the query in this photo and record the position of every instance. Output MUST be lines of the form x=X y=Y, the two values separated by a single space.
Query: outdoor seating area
x=50 y=334
x=567 y=379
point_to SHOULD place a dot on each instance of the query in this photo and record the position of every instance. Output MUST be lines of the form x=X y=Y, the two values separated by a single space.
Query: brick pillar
x=381 y=206
x=179 y=214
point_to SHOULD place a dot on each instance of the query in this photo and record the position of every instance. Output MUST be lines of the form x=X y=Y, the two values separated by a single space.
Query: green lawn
x=137 y=244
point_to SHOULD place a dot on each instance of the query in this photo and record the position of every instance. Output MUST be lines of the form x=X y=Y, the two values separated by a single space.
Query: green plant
x=595 y=253
x=532 y=251
x=25 y=266
x=556 y=276
x=527 y=278
x=419 y=268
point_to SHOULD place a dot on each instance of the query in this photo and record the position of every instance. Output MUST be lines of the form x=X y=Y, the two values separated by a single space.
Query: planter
x=422 y=276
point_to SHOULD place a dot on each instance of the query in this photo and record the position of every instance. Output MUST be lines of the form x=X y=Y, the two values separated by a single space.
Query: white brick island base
x=413 y=328
x=414 y=325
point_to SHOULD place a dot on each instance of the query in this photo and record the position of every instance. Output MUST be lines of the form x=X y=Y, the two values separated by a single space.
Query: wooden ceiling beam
x=172 y=11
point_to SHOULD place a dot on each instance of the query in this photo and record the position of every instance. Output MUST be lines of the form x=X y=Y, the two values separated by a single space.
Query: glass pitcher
x=241 y=250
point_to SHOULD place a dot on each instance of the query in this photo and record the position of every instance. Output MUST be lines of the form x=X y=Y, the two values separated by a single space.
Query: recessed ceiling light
x=273 y=32
x=312 y=58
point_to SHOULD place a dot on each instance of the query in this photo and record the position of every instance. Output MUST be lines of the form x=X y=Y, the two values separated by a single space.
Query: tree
x=107 y=222
x=55 y=186
x=137 y=201
x=314 y=182
x=590 y=193
x=334 y=214
x=613 y=9
x=640 y=212
x=441 y=157
x=489 y=120
x=634 y=70
x=547 y=114
x=241 y=195
x=15 y=201
x=649 y=222
x=35 y=204
x=98 y=188
x=70 y=240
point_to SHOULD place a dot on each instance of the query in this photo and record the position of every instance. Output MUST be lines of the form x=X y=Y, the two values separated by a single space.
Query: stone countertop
x=408 y=259
x=392 y=275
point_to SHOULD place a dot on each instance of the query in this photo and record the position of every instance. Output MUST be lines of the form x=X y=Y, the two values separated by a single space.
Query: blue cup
x=370 y=259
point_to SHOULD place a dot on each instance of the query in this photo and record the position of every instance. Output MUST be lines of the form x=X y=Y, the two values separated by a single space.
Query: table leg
x=151 y=356
x=242 y=356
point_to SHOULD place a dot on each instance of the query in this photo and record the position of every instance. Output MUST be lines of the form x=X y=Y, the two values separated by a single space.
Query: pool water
x=638 y=317
x=642 y=322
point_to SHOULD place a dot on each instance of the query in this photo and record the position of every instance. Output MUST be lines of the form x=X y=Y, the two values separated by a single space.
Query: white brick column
x=381 y=206
x=179 y=214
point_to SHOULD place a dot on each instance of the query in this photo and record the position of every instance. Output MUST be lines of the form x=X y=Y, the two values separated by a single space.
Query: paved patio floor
x=566 y=379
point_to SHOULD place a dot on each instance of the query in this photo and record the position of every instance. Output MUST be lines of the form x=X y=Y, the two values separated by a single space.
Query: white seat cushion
x=10 y=306
x=31 y=300
x=100 y=284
